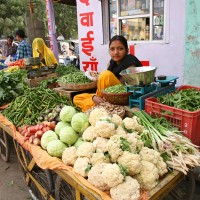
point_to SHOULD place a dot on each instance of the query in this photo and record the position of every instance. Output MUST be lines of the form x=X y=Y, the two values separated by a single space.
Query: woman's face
x=117 y=51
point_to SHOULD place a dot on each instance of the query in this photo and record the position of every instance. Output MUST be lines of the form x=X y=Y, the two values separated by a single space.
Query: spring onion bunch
x=177 y=150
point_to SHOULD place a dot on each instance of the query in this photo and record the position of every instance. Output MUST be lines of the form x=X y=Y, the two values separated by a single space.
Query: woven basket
x=117 y=98
x=78 y=87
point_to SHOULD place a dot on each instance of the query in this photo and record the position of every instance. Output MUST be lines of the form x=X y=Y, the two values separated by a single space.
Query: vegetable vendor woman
x=120 y=60
x=41 y=50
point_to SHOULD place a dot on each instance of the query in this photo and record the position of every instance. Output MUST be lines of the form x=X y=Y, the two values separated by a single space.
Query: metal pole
x=51 y=28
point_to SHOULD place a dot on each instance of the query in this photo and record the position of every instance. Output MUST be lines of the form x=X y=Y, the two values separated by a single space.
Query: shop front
x=154 y=29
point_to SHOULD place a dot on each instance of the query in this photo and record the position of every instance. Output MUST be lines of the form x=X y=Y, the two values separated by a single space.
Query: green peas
x=116 y=89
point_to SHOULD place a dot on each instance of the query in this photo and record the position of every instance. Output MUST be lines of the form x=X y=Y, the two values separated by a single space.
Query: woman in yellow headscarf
x=41 y=50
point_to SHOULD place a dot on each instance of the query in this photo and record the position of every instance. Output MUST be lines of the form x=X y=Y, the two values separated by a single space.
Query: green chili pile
x=74 y=77
x=188 y=99
x=116 y=89
x=26 y=108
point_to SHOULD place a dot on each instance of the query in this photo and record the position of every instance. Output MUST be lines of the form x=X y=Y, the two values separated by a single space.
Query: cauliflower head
x=148 y=176
x=128 y=190
x=116 y=119
x=150 y=155
x=120 y=131
x=119 y=143
x=81 y=166
x=105 y=129
x=131 y=162
x=162 y=167
x=114 y=148
x=95 y=177
x=111 y=175
x=100 y=144
x=96 y=114
x=86 y=149
x=90 y=134
x=69 y=156
x=132 y=139
x=98 y=158
x=131 y=125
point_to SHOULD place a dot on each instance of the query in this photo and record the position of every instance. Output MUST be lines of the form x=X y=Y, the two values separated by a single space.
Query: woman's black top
x=128 y=61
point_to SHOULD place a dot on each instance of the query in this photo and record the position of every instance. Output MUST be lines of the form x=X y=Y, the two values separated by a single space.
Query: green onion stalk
x=177 y=150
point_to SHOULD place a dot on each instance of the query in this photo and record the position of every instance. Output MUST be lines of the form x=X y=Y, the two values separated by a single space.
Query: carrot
x=38 y=134
x=45 y=129
x=24 y=132
x=25 y=139
x=31 y=139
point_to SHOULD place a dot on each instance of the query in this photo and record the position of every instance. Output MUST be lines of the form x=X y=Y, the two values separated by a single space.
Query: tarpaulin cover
x=45 y=161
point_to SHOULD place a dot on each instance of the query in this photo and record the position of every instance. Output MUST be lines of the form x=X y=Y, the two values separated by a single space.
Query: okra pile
x=116 y=89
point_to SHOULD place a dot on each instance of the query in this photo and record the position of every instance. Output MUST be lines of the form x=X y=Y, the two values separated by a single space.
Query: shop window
x=138 y=20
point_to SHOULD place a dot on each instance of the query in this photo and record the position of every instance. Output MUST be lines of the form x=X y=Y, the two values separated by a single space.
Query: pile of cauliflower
x=113 y=157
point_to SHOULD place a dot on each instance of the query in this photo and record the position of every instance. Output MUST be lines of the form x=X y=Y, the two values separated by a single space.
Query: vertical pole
x=51 y=27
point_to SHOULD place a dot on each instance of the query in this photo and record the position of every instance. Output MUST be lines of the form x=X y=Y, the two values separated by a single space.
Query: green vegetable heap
x=116 y=89
x=188 y=99
x=75 y=77
x=26 y=109
x=46 y=82
x=11 y=85
x=62 y=69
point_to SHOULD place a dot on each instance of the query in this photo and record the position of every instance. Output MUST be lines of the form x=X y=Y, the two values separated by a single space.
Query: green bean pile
x=75 y=77
x=116 y=89
x=26 y=109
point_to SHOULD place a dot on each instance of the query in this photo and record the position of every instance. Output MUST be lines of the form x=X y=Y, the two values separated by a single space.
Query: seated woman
x=120 y=60
x=40 y=49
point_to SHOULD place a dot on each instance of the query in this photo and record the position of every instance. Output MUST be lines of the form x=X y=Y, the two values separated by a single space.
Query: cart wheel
x=39 y=181
x=64 y=191
x=4 y=146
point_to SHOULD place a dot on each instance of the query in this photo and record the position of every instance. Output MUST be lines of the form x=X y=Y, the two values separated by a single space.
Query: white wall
x=168 y=57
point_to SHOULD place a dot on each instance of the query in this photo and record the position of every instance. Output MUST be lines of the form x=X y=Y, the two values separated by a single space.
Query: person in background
x=41 y=50
x=8 y=48
x=120 y=60
x=24 y=49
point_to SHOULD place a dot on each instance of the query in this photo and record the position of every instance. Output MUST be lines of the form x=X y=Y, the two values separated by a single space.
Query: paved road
x=12 y=185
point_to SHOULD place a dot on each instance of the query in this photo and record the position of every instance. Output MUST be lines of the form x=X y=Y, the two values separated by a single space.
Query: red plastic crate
x=186 y=121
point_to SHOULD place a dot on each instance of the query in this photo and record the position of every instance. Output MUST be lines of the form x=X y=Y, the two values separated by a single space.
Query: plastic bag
x=92 y=75
x=8 y=60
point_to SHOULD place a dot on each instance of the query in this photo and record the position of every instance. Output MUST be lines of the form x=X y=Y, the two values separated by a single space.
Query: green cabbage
x=80 y=122
x=60 y=125
x=79 y=142
x=55 y=148
x=48 y=137
x=67 y=113
x=68 y=135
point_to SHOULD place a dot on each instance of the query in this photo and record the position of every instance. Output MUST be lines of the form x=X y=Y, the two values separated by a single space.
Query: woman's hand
x=97 y=100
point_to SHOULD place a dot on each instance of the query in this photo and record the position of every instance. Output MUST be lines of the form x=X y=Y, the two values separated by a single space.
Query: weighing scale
x=155 y=89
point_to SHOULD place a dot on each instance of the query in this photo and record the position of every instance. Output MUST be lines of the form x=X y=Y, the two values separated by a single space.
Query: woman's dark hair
x=10 y=37
x=20 y=33
x=121 y=39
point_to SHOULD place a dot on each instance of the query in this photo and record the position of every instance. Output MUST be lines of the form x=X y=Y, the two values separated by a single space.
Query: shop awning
x=68 y=2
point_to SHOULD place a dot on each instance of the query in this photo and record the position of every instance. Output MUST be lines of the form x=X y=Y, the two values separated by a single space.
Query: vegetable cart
x=47 y=184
